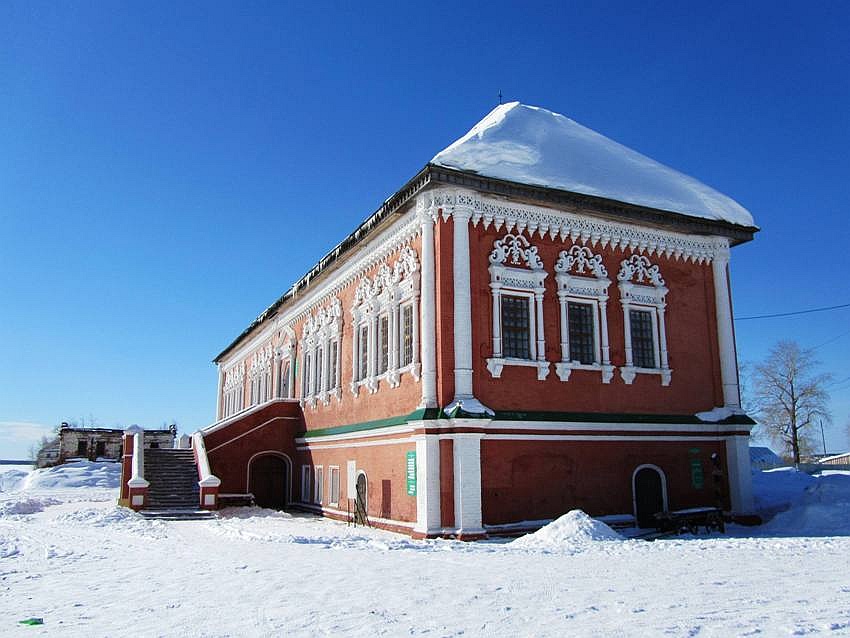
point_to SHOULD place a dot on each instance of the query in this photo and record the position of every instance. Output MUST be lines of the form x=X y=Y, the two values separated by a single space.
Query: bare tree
x=790 y=396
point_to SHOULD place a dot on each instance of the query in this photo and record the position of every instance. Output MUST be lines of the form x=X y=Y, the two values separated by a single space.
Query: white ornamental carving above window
x=320 y=348
x=580 y=260
x=638 y=269
x=387 y=277
x=515 y=250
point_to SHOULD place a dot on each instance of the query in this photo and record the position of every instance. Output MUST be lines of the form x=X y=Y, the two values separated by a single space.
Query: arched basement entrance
x=361 y=503
x=269 y=479
x=649 y=489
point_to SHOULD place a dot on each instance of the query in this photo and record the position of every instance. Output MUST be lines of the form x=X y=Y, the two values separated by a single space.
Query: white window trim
x=518 y=282
x=592 y=289
x=331 y=470
x=233 y=390
x=260 y=376
x=642 y=288
x=319 y=331
x=384 y=296
x=306 y=484
x=285 y=354
x=318 y=484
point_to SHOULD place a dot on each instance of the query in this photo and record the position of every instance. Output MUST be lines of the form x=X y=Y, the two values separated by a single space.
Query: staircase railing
x=137 y=486
x=208 y=482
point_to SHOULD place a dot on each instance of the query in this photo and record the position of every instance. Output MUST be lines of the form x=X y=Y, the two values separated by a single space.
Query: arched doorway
x=361 y=503
x=649 y=488
x=268 y=480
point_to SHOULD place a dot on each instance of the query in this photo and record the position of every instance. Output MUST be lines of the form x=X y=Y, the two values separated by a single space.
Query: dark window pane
x=319 y=369
x=363 y=344
x=407 y=335
x=643 y=342
x=581 y=332
x=384 y=341
x=333 y=381
x=516 y=338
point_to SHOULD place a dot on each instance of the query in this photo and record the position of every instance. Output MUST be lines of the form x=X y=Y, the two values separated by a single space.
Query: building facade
x=482 y=353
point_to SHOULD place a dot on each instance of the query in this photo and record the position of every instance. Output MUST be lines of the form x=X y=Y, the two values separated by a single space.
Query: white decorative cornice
x=514 y=250
x=387 y=278
x=567 y=225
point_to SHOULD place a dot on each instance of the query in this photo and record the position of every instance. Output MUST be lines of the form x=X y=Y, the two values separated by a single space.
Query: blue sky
x=168 y=169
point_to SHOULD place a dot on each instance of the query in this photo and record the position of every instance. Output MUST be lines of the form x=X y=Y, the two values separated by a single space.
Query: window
x=643 y=343
x=321 y=361
x=364 y=353
x=320 y=485
x=306 y=493
x=385 y=312
x=516 y=281
x=100 y=448
x=82 y=448
x=582 y=344
x=384 y=341
x=260 y=376
x=583 y=297
x=406 y=335
x=284 y=355
x=233 y=390
x=333 y=376
x=334 y=487
x=283 y=382
x=643 y=296
x=516 y=336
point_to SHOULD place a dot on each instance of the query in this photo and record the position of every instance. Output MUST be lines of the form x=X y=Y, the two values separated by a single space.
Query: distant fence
x=814 y=468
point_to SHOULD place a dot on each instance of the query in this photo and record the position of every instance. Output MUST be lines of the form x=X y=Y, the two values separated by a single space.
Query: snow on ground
x=89 y=568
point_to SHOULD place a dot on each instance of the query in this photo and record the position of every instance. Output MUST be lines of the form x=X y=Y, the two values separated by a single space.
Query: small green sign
x=411 y=473
x=697 y=477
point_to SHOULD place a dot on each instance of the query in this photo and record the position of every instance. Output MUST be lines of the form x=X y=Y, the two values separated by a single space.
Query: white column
x=628 y=332
x=725 y=331
x=739 y=474
x=467 y=483
x=541 y=341
x=219 y=404
x=603 y=329
x=427 y=485
x=463 y=316
x=565 y=327
x=462 y=305
x=497 y=320
x=393 y=342
x=662 y=338
x=428 y=321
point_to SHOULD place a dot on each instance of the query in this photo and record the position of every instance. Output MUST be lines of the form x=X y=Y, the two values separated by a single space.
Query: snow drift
x=532 y=145
x=573 y=529
x=74 y=475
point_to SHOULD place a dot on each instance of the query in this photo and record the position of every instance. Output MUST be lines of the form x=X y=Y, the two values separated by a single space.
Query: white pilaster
x=739 y=474
x=463 y=316
x=219 y=397
x=725 y=332
x=428 y=320
x=467 y=483
x=427 y=485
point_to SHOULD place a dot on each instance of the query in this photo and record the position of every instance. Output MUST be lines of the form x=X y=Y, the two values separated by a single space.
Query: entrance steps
x=173 y=478
x=178 y=514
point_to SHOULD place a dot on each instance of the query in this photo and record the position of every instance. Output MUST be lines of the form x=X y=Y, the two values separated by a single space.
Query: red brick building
x=540 y=320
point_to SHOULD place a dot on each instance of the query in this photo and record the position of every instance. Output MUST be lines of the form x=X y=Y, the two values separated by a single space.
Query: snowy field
x=70 y=556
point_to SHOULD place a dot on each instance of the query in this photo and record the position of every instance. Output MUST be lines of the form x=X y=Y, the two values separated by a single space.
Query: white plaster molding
x=582 y=278
x=320 y=332
x=384 y=295
x=725 y=328
x=507 y=277
x=642 y=288
x=567 y=225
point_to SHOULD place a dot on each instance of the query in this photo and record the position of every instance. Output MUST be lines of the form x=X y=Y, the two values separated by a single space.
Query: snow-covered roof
x=531 y=145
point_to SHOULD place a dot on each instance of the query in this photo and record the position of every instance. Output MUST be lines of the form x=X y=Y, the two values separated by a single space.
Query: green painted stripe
x=570 y=417
x=417 y=415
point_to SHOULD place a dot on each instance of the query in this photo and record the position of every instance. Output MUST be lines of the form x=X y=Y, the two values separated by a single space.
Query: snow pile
x=573 y=529
x=74 y=475
x=26 y=506
x=823 y=509
x=532 y=145
x=778 y=490
x=11 y=480
x=718 y=414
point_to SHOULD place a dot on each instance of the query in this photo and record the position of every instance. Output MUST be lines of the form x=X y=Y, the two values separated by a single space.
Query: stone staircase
x=173 y=493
